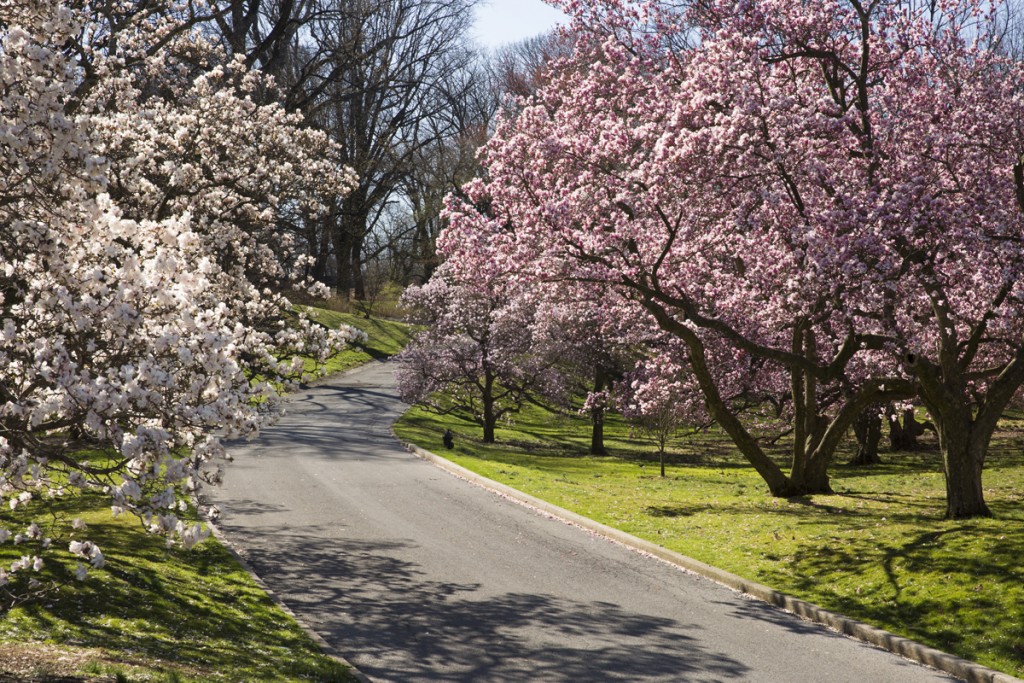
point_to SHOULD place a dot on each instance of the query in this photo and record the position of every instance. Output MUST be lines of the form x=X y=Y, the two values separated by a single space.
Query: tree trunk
x=868 y=431
x=812 y=453
x=358 y=280
x=813 y=477
x=597 y=416
x=487 y=398
x=903 y=437
x=963 y=456
x=320 y=246
x=342 y=250
x=597 y=433
x=349 y=234
x=964 y=427
x=808 y=465
x=778 y=483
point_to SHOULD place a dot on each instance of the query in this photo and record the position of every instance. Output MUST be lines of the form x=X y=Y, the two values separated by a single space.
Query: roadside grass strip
x=159 y=613
x=385 y=338
x=877 y=550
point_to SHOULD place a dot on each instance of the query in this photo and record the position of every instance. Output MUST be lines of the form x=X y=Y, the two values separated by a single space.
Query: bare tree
x=371 y=79
x=519 y=68
x=446 y=160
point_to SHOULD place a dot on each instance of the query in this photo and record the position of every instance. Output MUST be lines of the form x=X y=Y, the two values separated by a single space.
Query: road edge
x=969 y=671
x=326 y=647
x=203 y=505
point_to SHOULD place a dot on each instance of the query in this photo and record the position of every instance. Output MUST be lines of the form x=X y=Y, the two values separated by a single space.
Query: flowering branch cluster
x=140 y=260
x=479 y=347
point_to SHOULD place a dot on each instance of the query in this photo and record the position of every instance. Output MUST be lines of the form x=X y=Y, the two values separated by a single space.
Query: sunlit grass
x=385 y=338
x=878 y=550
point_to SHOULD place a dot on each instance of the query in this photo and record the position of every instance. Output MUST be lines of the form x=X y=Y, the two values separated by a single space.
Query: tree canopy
x=832 y=194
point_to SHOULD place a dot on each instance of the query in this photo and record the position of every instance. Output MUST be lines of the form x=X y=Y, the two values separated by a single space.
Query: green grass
x=386 y=338
x=878 y=550
x=165 y=614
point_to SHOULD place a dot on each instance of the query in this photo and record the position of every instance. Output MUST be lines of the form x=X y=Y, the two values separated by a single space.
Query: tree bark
x=779 y=484
x=809 y=464
x=813 y=477
x=489 y=418
x=963 y=455
x=903 y=437
x=597 y=416
x=964 y=430
x=868 y=431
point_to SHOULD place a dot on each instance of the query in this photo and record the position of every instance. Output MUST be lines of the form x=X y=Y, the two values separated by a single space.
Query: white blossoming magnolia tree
x=833 y=191
x=139 y=260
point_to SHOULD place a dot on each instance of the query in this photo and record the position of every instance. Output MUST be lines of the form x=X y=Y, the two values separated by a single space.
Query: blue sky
x=505 y=21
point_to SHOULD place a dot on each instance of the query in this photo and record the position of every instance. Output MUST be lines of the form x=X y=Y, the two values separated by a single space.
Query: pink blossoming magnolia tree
x=588 y=350
x=658 y=399
x=134 y=316
x=833 y=191
x=478 y=348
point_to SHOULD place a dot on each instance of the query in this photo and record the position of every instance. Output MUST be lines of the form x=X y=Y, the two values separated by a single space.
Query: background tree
x=658 y=400
x=477 y=348
x=446 y=160
x=382 y=63
x=589 y=351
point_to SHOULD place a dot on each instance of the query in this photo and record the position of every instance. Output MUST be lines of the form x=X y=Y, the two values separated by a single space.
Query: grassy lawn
x=386 y=338
x=878 y=550
x=159 y=614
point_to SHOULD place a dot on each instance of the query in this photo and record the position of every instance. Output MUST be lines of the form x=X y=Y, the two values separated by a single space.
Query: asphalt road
x=415 y=575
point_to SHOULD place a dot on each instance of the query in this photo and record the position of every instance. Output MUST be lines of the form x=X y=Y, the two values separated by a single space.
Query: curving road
x=415 y=575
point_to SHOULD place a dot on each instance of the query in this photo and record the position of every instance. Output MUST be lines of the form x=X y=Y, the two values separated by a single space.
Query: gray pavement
x=416 y=575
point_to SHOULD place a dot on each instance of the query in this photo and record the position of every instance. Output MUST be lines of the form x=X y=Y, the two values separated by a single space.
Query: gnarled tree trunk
x=963 y=455
x=868 y=431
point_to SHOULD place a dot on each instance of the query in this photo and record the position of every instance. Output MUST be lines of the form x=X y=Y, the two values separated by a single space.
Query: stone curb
x=326 y=647
x=969 y=671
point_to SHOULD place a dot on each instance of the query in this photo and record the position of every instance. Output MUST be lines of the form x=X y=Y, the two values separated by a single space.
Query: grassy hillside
x=386 y=338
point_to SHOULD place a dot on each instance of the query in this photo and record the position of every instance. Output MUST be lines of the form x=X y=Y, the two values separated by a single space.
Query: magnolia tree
x=658 y=398
x=831 y=193
x=587 y=349
x=129 y=343
x=477 y=348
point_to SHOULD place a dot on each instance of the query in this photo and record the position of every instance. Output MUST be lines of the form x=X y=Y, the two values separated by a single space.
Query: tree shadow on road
x=396 y=625
x=333 y=421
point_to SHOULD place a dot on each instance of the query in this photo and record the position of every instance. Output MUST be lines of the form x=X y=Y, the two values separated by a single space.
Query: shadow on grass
x=195 y=608
x=956 y=588
x=673 y=511
x=374 y=352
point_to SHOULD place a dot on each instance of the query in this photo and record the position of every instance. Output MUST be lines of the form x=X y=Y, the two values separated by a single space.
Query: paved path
x=415 y=575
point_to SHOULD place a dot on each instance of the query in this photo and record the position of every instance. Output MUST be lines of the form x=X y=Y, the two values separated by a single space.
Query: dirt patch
x=40 y=663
